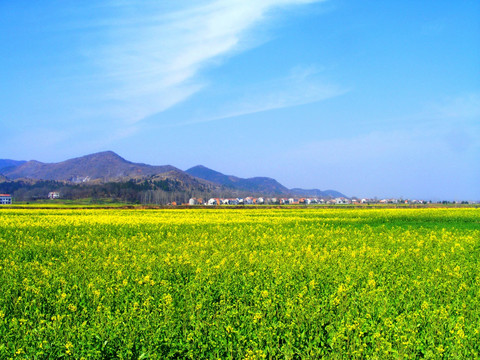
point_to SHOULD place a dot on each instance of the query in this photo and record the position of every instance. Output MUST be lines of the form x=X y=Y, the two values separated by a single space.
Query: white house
x=53 y=195
x=5 y=199
x=229 y=202
x=213 y=201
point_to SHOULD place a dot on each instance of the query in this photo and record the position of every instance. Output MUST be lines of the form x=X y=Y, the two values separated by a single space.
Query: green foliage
x=300 y=283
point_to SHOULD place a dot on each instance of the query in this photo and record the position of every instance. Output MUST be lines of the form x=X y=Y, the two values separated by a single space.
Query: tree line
x=147 y=191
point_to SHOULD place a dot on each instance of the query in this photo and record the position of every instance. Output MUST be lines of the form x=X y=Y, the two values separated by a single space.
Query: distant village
x=306 y=201
x=6 y=199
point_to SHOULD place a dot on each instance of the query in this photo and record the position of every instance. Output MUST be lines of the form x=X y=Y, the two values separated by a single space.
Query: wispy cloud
x=303 y=85
x=152 y=54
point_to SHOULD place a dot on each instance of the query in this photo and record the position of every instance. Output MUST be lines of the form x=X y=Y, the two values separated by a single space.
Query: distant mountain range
x=6 y=164
x=103 y=166
x=256 y=184
x=107 y=166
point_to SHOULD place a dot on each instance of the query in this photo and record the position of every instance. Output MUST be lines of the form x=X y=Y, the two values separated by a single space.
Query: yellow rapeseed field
x=306 y=283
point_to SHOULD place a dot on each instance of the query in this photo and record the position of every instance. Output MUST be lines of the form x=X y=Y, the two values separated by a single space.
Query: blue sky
x=369 y=98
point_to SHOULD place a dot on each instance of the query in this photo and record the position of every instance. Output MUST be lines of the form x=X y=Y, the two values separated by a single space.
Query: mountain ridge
x=6 y=164
x=264 y=185
x=103 y=166
x=107 y=166
x=269 y=186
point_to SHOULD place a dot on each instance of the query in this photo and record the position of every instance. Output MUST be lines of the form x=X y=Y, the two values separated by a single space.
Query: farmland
x=240 y=284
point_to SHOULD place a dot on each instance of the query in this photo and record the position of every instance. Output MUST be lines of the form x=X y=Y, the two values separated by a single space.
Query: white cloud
x=152 y=53
x=302 y=86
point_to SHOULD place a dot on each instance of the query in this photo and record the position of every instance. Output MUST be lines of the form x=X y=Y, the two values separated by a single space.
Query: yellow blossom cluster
x=255 y=283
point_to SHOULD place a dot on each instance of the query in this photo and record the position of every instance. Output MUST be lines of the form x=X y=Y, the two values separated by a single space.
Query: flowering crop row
x=232 y=284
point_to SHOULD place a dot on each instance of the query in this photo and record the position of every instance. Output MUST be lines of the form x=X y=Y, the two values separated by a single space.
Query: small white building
x=5 y=199
x=53 y=195
x=213 y=201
